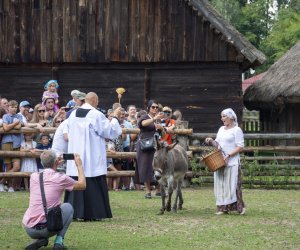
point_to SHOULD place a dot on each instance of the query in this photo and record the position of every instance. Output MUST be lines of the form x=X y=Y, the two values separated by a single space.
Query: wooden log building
x=180 y=52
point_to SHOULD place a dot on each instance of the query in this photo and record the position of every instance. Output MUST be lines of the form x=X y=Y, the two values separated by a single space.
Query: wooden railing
x=269 y=166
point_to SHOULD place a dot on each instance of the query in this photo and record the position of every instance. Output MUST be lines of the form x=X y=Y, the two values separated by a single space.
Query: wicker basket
x=214 y=160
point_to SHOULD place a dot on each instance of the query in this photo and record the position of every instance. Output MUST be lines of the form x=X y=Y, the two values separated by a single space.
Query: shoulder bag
x=147 y=144
x=54 y=214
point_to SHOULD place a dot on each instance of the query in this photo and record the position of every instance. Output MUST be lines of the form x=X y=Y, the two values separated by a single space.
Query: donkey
x=170 y=163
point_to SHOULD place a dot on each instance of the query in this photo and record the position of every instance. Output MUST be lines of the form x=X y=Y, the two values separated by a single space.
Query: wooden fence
x=269 y=166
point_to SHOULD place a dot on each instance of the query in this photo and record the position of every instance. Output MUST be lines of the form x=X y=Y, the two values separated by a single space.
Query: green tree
x=252 y=18
x=272 y=30
x=284 y=34
x=255 y=21
x=229 y=9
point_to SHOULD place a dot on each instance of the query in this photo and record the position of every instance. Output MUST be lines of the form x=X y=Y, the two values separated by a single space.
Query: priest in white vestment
x=87 y=130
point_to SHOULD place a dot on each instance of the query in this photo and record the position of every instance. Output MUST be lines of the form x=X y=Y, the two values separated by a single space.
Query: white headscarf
x=230 y=114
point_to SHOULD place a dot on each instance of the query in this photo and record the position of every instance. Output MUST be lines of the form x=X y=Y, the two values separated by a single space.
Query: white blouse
x=228 y=140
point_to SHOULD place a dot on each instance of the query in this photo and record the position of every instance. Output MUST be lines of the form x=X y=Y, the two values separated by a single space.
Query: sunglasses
x=154 y=107
x=60 y=121
x=167 y=112
x=41 y=110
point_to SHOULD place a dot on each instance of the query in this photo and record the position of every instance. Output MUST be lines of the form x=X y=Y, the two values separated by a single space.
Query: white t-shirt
x=228 y=140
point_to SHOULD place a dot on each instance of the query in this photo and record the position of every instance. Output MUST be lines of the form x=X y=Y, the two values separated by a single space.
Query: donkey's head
x=160 y=158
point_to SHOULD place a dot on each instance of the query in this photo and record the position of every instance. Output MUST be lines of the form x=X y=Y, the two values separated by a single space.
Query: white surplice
x=87 y=138
x=59 y=144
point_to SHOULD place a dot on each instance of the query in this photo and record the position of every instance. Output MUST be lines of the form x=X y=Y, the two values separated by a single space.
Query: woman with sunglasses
x=38 y=120
x=38 y=116
x=59 y=117
x=148 y=124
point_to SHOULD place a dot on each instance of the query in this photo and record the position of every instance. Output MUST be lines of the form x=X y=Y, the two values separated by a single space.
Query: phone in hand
x=67 y=157
x=68 y=109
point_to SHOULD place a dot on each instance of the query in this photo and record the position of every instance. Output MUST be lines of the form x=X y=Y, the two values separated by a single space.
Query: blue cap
x=24 y=103
x=49 y=82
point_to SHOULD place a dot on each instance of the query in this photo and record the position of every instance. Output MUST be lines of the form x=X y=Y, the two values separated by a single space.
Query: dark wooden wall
x=286 y=120
x=99 y=31
x=158 y=49
x=200 y=90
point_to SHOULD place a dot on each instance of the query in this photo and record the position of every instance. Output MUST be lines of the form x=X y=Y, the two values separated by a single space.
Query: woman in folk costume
x=227 y=180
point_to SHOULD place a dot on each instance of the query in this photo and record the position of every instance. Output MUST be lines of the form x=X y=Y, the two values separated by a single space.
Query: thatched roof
x=254 y=56
x=280 y=85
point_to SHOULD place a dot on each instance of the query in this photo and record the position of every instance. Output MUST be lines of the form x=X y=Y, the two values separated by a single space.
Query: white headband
x=230 y=114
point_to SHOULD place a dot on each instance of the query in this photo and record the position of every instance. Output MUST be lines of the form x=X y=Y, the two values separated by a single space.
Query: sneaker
x=11 y=190
x=2 y=188
x=243 y=211
x=37 y=244
x=58 y=246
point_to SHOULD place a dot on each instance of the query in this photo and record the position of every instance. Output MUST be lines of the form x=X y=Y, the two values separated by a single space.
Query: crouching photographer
x=51 y=185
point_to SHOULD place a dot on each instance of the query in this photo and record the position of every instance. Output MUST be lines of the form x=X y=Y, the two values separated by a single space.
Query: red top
x=168 y=137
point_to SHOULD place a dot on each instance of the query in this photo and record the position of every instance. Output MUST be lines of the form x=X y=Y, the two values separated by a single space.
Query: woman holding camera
x=148 y=124
x=227 y=180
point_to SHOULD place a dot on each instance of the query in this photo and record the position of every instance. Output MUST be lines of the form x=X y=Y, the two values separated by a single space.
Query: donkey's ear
x=157 y=143
x=171 y=146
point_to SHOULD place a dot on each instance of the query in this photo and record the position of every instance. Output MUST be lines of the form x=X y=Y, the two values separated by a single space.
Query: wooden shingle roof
x=229 y=33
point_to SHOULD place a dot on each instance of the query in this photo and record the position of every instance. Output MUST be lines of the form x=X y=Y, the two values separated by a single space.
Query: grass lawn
x=272 y=221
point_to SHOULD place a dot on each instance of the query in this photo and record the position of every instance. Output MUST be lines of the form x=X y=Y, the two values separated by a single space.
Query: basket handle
x=217 y=146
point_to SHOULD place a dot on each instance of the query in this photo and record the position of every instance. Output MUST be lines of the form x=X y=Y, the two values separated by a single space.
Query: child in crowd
x=11 y=142
x=112 y=183
x=28 y=164
x=2 y=113
x=44 y=145
x=51 y=92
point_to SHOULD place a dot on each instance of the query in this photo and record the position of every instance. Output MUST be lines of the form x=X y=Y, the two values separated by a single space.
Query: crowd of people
x=47 y=114
x=82 y=129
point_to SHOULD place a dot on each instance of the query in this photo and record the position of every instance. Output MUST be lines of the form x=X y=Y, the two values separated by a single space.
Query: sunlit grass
x=272 y=222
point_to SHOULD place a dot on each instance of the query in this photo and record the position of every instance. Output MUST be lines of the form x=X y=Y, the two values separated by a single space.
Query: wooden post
x=147 y=87
x=182 y=139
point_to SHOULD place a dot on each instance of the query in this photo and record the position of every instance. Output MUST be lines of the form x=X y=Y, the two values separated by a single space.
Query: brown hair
x=12 y=103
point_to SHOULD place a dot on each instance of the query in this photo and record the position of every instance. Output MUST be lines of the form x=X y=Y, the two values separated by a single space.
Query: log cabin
x=182 y=53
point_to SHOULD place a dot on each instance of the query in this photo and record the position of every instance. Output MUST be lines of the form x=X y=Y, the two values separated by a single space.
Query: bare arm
x=81 y=183
x=147 y=122
x=11 y=126
x=31 y=125
x=232 y=153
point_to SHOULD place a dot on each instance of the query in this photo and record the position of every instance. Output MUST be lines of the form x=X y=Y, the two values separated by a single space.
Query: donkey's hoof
x=180 y=207
x=174 y=210
x=168 y=208
x=161 y=212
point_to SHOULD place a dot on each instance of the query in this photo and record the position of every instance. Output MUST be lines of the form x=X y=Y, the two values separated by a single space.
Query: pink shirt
x=54 y=184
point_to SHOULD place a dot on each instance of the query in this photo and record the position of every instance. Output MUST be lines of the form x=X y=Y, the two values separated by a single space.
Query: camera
x=67 y=157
